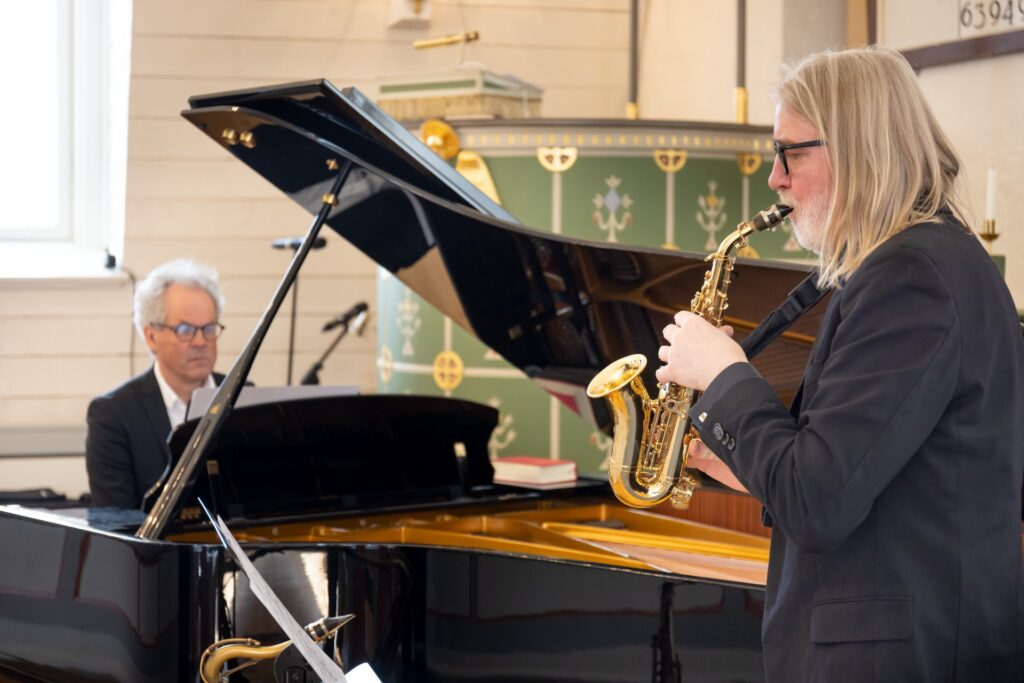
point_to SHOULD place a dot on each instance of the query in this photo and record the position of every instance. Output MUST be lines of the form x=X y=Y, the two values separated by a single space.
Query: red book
x=523 y=470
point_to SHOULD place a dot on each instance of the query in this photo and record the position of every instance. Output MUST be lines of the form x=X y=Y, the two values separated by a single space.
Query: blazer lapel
x=153 y=405
x=823 y=338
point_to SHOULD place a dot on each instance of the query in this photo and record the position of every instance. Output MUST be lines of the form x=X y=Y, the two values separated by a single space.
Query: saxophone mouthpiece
x=771 y=217
x=326 y=627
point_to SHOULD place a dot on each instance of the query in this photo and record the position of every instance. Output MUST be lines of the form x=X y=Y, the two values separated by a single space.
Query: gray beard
x=805 y=236
x=807 y=223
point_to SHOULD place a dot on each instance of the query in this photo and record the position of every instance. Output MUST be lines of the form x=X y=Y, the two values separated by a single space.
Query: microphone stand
x=312 y=375
x=294 y=245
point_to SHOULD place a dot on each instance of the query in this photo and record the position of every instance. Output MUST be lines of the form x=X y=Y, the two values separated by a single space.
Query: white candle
x=990 y=196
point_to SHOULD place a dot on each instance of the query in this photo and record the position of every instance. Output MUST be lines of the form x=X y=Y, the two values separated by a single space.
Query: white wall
x=980 y=105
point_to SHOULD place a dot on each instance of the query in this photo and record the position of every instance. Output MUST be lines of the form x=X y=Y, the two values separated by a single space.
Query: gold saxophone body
x=651 y=437
x=250 y=652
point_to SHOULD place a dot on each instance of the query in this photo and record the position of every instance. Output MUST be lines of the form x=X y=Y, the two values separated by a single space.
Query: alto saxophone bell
x=621 y=373
x=651 y=437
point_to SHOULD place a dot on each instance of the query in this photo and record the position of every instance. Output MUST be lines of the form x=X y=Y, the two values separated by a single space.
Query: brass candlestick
x=988 y=233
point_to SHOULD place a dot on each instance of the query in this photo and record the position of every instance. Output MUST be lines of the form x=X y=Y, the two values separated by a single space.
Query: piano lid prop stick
x=224 y=400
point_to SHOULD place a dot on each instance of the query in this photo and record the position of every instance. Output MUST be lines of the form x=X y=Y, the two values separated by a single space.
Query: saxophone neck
x=734 y=240
x=767 y=219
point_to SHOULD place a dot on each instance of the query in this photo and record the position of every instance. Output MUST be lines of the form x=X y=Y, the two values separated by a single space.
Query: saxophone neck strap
x=803 y=297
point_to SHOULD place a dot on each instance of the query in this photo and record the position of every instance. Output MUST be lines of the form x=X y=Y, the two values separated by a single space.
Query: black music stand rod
x=294 y=243
x=227 y=393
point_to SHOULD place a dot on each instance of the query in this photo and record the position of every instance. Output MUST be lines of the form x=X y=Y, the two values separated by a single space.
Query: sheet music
x=328 y=671
x=252 y=396
x=363 y=674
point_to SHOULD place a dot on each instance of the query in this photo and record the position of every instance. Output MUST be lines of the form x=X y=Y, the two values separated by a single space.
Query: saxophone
x=651 y=438
x=250 y=652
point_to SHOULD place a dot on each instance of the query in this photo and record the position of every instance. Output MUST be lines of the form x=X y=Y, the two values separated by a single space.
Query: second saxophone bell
x=651 y=437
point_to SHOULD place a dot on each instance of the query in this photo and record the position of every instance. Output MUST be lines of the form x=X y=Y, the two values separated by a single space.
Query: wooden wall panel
x=62 y=474
x=93 y=335
x=58 y=301
x=319 y=297
x=499 y=23
x=26 y=376
x=283 y=61
x=245 y=255
x=42 y=412
x=187 y=218
x=203 y=178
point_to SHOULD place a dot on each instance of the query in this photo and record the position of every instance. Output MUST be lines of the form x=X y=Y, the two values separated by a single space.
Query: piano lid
x=557 y=308
x=338 y=122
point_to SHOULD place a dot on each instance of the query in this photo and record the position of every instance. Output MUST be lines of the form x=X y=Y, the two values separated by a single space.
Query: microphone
x=360 y=323
x=346 y=317
x=294 y=243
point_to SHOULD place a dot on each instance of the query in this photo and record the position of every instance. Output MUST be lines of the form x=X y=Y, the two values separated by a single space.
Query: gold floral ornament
x=670 y=160
x=448 y=370
x=440 y=137
x=712 y=216
x=749 y=162
x=557 y=159
x=610 y=202
x=385 y=364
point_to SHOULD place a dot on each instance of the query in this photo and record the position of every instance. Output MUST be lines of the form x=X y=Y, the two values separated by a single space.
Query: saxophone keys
x=682 y=492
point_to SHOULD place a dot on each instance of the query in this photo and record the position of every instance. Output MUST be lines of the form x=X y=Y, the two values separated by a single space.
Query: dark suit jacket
x=894 y=482
x=126 y=443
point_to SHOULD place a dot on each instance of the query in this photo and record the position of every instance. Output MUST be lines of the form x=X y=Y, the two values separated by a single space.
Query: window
x=64 y=72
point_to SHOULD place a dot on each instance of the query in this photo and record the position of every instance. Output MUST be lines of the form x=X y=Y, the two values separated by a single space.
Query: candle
x=990 y=196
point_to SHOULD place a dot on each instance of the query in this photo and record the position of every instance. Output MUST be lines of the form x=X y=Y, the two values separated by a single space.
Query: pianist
x=177 y=314
x=893 y=483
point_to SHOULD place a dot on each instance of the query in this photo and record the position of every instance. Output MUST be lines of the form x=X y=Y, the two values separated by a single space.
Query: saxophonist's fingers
x=669 y=332
x=663 y=354
x=698 y=450
x=681 y=317
x=727 y=329
x=661 y=374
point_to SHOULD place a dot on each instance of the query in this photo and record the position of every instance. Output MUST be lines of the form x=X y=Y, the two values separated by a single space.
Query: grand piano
x=384 y=506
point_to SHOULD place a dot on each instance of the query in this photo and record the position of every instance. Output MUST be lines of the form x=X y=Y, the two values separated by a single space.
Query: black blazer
x=894 y=481
x=126 y=443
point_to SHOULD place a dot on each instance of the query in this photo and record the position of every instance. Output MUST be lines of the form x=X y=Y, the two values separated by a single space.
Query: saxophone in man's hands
x=651 y=437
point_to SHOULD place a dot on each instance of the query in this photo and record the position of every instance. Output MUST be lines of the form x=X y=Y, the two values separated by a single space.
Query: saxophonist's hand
x=701 y=458
x=697 y=352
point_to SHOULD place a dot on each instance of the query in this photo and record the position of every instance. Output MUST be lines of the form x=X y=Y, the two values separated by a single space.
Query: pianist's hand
x=701 y=458
x=697 y=352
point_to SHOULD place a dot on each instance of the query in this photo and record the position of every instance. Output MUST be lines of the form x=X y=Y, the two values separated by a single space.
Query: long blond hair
x=892 y=166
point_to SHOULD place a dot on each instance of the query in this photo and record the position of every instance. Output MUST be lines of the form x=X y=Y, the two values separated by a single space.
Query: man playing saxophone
x=893 y=482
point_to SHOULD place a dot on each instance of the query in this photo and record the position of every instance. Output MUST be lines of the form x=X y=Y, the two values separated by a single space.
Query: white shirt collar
x=172 y=402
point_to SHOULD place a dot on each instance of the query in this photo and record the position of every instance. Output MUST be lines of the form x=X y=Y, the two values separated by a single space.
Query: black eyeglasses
x=780 y=150
x=187 y=331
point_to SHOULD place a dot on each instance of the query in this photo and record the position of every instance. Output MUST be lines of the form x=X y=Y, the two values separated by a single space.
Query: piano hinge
x=189 y=514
